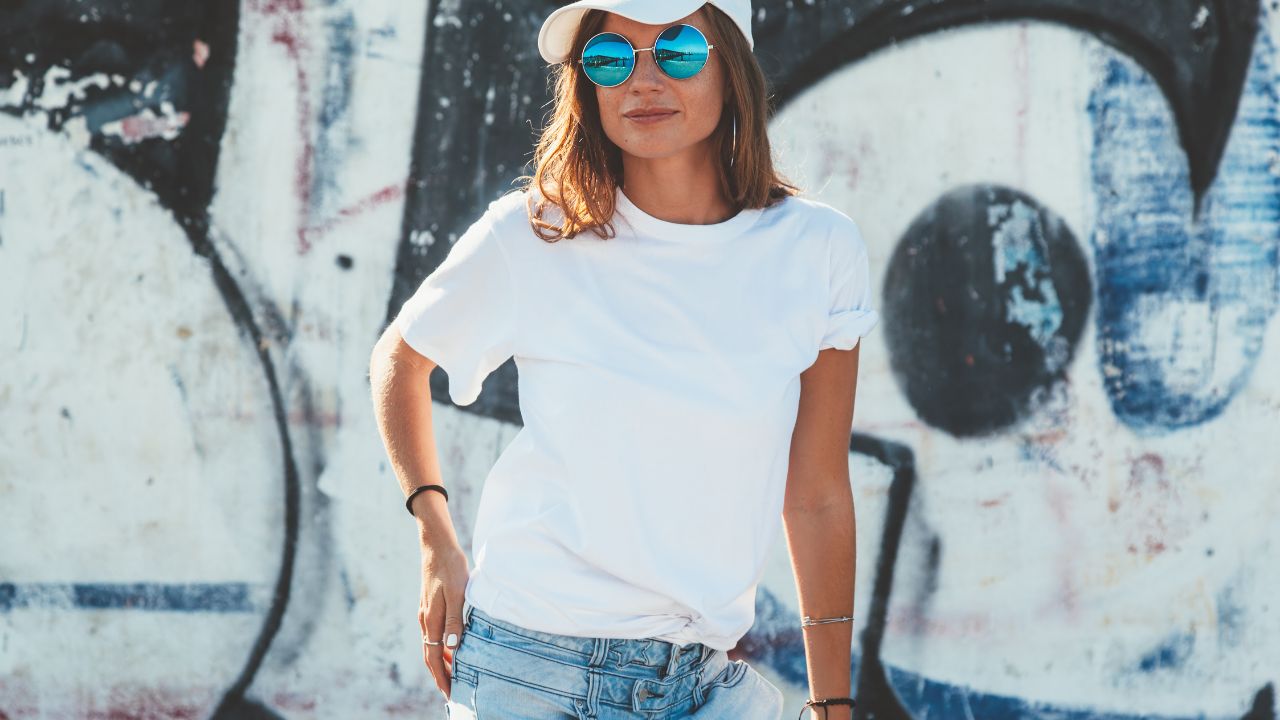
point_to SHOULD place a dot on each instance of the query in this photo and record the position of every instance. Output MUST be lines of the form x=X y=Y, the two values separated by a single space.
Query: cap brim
x=555 y=39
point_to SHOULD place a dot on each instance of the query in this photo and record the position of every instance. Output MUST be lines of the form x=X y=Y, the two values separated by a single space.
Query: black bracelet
x=824 y=703
x=408 y=502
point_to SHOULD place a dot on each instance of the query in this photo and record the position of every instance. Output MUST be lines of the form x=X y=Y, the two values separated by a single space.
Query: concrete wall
x=1065 y=460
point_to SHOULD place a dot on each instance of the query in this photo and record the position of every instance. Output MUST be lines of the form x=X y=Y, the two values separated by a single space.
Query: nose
x=646 y=74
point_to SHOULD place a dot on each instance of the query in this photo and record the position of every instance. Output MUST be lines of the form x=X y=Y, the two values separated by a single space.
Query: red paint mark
x=855 y=162
x=1021 y=66
x=993 y=502
x=277 y=7
x=1153 y=507
x=140 y=127
x=286 y=700
x=388 y=194
x=26 y=698
x=286 y=17
x=1146 y=468
x=1048 y=436
x=199 y=53
x=286 y=31
x=1059 y=504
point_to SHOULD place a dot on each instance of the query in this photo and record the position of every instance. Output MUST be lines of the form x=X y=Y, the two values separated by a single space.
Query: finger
x=453 y=629
x=422 y=629
x=434 y=615
x=452 y=626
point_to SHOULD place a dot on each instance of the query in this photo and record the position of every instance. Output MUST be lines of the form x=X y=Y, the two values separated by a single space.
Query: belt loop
x=673 y=657
x=599 y=654
x=466 y=613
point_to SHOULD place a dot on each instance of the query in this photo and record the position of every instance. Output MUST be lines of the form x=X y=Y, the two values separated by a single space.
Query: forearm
x=823 y=547
x=402 y=408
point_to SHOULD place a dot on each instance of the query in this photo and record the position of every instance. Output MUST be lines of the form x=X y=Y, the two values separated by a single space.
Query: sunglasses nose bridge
x=651 y=65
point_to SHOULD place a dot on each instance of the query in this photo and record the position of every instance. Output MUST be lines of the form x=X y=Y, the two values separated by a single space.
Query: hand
x=444 y=578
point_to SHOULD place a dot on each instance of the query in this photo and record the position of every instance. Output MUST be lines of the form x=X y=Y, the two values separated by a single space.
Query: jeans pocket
x=731 y=676
x=500 y=696
x=462 y=696
x=740 y=692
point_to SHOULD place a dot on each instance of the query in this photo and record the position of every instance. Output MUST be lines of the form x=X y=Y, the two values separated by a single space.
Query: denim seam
x=731 y=679
x=534 y=686
x=466 y=672
x=532 y=640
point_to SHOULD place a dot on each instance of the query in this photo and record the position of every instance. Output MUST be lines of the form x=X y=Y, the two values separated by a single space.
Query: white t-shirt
x=658 y=384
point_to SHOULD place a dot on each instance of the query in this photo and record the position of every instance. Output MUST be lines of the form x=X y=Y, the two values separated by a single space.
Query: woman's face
x=695 y=103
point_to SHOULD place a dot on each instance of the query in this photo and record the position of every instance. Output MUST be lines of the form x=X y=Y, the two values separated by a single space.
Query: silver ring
x=425 y=641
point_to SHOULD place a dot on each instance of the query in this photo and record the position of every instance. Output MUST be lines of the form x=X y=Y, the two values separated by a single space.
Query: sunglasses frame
x=635 y=52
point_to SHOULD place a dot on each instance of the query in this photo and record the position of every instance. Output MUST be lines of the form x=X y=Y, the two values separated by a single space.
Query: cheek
x=608 y=109
x=707 y=105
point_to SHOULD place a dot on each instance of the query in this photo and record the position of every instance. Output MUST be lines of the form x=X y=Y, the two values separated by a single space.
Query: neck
x=681 y=188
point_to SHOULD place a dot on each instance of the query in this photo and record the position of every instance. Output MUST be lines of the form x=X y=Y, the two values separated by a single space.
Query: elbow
x=392 y=350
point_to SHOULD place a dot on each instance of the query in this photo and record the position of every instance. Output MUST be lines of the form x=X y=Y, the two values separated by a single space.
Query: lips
x=649 y=113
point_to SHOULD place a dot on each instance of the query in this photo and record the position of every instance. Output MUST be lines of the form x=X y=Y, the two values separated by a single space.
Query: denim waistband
x=640 y=657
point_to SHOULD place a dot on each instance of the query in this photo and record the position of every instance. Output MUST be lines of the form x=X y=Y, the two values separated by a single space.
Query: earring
x=734 y=152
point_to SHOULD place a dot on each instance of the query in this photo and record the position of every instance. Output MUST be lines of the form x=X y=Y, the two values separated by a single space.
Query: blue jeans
x=503 y=671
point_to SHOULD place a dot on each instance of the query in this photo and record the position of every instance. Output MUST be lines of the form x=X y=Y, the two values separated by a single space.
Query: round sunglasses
x=680 y=52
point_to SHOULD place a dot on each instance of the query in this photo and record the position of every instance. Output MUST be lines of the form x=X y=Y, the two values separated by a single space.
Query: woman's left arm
x=818 y=519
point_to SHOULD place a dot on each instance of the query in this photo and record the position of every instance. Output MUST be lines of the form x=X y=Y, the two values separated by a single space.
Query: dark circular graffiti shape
x=985 y=299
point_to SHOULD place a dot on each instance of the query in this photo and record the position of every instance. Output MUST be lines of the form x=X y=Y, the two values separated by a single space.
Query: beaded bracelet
x=825 y=702
x=409 y=500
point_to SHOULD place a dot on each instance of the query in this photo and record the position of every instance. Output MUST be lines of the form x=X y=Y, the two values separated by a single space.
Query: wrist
x=428 y=504
x=431 y=511
x=835 y=707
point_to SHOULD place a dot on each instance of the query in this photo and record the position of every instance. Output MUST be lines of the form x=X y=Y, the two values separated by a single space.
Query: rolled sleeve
x=851 y=311
x=462 y=315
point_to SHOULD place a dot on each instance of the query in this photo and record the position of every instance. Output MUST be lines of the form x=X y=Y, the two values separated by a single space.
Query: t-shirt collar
x=647 y=224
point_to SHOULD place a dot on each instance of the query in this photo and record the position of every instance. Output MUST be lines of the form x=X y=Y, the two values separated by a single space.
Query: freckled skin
x=698 y=100
x=669 y=167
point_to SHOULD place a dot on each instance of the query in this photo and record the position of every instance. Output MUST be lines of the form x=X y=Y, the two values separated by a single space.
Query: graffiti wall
x=1065 y=454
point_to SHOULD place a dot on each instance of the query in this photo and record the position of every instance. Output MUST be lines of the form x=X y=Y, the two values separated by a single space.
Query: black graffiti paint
x=1197 y=51
x=985 y=299
x=484 y=85
x=483 y=82
x=149 y=43
x=144 y=51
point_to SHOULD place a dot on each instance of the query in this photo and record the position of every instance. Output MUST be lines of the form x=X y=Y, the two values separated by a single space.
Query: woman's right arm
x=399 y=378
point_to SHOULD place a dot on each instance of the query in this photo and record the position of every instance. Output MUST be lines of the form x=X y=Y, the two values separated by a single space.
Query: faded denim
x=502 y=671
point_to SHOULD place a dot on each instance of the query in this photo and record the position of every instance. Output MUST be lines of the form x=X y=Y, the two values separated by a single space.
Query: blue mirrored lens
x=608 y=59
x=681 y=51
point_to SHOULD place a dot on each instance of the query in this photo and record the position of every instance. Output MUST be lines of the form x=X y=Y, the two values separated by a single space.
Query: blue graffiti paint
x=775 y=643
x=1230 y=615
x=1020 y=248
x=1182 y=308
x=927 y=699
x=226 y=597
x=335 y=138
x=1172 y=653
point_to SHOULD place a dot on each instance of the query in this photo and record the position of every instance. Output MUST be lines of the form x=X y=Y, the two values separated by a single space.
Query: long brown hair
x=578 y=168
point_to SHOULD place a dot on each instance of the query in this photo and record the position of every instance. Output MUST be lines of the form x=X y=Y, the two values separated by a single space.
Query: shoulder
x=506 y=218
x=508 y=206
x=820 y=213
x=512 y=211
x=826 y=224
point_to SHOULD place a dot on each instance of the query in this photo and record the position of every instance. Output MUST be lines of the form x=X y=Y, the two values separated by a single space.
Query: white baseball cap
x=556 y=36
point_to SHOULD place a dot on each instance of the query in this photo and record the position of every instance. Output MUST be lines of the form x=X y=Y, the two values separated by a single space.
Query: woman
x=685 y=328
